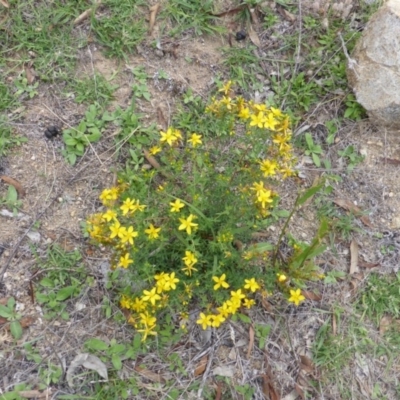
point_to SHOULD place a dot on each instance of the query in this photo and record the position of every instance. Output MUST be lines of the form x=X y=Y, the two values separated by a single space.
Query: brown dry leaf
x=15 y=183
x=267 y=305
x=349 y=206
x=4 y=3
x=306 y=364
x=357 y=278
x=86 y=13
x=4 y=301
x=161 y=119
x=201 y=367
x=384 y=324
x=254 y=36
x=392 y=161
x=35 y=394
x=3 y=320
x=153 y=13
x=251 y=341
x=286 y=14
x=231 y=11
x=268 y=387
x=334 y=325
x=299 y=390
x=218 y=393
x=365 y=264
x=146 y=373
x=254 y=16
x=154 y=163
x=26 y=322
x=353 y=257
x=311 y=295
x=30 y=75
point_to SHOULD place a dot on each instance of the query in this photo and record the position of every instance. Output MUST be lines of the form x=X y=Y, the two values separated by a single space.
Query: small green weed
x=192 y=14
x=313 y=149
x=140 y=88
x=62 y=277
x=8 y=138
x=354 y=110
x=87 y=132
x=12 y=317
x=95 y=89
x=121 y=28
x=11 y=199
x=23 y=88
x=6 y=98
x=351 y=156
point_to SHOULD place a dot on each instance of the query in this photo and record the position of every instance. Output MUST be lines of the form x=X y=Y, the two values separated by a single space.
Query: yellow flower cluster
x=145 y=306
x=230 y=306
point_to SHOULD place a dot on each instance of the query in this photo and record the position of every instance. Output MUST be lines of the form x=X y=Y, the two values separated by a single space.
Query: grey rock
x=374 y=68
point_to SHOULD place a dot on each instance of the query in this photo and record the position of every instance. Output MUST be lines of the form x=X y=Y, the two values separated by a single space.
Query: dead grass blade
x=86 y=13
x=4 y=3
x=392 y=161
x=353 y=257
x=35 y=394
x=15 y=183
x=30 y=75
x=251 y=342
x=153 y=13
x=349 y=206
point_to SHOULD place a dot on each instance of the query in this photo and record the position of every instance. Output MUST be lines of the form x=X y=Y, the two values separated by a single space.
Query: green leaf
x=69 y=140
x=309 y=140
x=244 y=318
x=16 y=329
x=11 y=303
x=47 y=282
x=96 y=344
x=308 y=193
x=5 y=312
x=80 y=148
x=12 y=195
x=64 y=293
x=94 y=135
x=316 y=160
x=116 y=361
x=262 y=247
x=71 y=158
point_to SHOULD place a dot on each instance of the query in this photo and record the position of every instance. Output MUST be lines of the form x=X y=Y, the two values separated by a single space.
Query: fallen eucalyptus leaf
x=88 y=361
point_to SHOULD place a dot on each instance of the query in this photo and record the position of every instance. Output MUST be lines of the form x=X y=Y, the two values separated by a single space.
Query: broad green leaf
x=64 y=293
x=5 y=312
x=12 y=195
x=96 y=344
x=308 y=193
x=16 y=329
x=316 y=160
x=47 y=282
x=116 y=361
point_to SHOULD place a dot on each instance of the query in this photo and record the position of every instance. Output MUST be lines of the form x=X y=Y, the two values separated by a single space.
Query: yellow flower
x=151 y=296
x=138 y=305
x=270 y=122
x=218 y=319
x=189 y=259
x=226 y=88
x=296 y=297
x=176 y=205
x=127 y=205
x=257 y=120
x=268 y=167
x=205 y=320
x=281 y=277
x=128 y=235
x=244 y=113
x=220 y=282
x=195 y=139
x=138 y=206
x=237 y=296
x=170 y=281
x=258 y=187
x=187 y=224
x=116 y=230
x=124 y=261
x=109 y=215
x=125 y=302
x=152 y=231
x=189 y=269
x=264 y=197
x=276 y=112
x=249 y=303
x=154 y=150
x=148 y=320
x=148 y=330
x=251 y=285
x=168 y=137
x=224 y=310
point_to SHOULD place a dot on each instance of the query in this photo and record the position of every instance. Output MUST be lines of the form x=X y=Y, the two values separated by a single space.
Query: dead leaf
x=201 y=367
x=3 y=320
x=254 y=36
x=88 y=361
x=161 y=119
x=15 y=183
x=299 y=390
x=306 y=364
x=349 y=206
x=224 y=370
x=267 y=305
x=152 y=376
x=251 y=341
x=353 y=257
x=4 y=300
x=153 y=162
x=254 y=16
x=153 y=13
x=355 y=282
x=365 y=264
x=4 y=3
x=334 y=325
x=30 y=76
x=392 y=161
x=268 y=387
x=311 y=295
x=86 y=13
x=218 y=393
x=286 y=14
x=384 y=324
x=231 y=11
x=35 y=394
